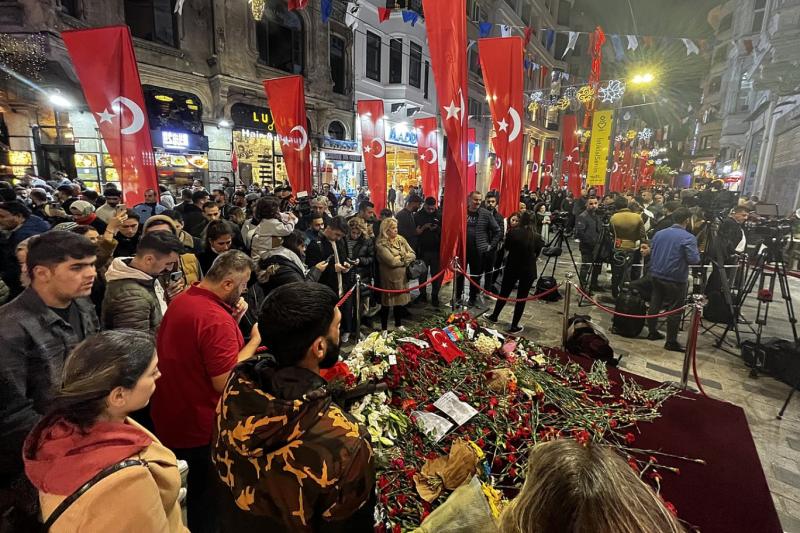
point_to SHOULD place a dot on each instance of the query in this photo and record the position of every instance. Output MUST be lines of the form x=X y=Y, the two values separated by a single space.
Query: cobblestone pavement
x=723 y=375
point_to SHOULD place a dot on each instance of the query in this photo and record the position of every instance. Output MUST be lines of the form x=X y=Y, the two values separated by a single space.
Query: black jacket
x=587 y=230
x=407 y=227
x=364 y=251
x=487 y=232
x=730 y=235
x=193 y=221
x=498 y=218
x=321 y=250
x=430 y=239
x=35 y=342
x=523 y=248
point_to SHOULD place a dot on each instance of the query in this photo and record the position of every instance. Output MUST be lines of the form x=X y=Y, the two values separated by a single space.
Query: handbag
x=69 y=500
x=416 y=269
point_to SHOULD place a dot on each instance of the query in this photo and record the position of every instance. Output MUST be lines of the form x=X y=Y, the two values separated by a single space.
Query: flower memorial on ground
x=465 y=402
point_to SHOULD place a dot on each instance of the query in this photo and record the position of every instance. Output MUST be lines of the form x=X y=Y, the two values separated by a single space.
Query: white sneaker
x=401 y=329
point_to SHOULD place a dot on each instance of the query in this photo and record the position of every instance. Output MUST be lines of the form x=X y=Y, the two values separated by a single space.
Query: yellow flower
x=494 y=497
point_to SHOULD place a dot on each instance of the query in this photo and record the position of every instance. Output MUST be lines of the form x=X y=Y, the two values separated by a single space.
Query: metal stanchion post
x=691 y=344
x=357 y=295
x=455 y=267
x=567 y=298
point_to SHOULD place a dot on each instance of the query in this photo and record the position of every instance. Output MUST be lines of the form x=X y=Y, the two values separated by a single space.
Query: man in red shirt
x=198 y=344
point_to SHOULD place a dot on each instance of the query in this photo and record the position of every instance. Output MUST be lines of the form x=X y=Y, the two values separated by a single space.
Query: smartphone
x=121 y=208
x=329 y=258
x=176 y=276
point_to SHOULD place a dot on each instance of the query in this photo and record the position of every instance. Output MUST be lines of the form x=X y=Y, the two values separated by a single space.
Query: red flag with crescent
x=547 y=168
x=571 y=165
x=373 y=144
x=535 y=167
x=443 y=345
x=446 y=24
x=503 y=74
x=428 y=150
x=106 y=66
x=287 y=100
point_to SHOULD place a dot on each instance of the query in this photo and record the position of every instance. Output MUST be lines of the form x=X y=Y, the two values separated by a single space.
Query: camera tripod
x=557 y=242
x=768 y=268
x=715 y=257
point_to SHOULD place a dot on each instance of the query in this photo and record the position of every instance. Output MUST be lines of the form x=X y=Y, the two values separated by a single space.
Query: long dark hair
x=527 y=226
x=95 y=367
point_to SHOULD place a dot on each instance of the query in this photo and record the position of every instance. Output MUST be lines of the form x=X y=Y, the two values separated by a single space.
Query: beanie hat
x=81 y=208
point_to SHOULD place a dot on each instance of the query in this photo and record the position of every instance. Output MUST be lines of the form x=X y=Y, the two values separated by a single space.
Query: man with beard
x=287 y=456
x=198 y=345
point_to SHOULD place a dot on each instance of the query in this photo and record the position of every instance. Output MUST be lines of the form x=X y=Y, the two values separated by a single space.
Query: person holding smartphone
x=429 y=231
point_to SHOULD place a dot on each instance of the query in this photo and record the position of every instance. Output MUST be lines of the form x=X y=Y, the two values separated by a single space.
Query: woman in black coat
x=523 y=245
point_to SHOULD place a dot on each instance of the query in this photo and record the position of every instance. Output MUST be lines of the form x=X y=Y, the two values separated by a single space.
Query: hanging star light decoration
x=631 y=135
x=645 y=134
x=585 y=94
x=257 y=8
x=612 y=92
x=619 y=138
x=563 y=104
x=571 y=93
x=537 y=97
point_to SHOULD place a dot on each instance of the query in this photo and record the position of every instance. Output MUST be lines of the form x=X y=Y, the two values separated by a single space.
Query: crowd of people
x=133 y=335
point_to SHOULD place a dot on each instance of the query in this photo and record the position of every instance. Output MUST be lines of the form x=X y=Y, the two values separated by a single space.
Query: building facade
x=753 y=94
x=201 y=70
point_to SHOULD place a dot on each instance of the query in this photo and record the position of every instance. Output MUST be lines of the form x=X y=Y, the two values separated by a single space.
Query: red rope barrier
x=402 y=291
x=346 y=296
x=510 y=300
x=613 y=312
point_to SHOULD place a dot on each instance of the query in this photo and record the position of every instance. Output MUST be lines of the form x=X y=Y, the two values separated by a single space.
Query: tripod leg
x=786 y=404
x=780 y=267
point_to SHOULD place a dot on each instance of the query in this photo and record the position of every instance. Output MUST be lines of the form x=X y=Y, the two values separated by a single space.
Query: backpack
x=631 y=303
x=544 y=284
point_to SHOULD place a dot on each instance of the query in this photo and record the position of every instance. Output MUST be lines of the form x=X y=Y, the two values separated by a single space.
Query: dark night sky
x=679 y=76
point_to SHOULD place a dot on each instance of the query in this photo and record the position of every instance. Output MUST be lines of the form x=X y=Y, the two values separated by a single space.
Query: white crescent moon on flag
x=138 y=116
x=444 y=342
x=383 y=148
x=434 y=156
x=463 y=110
x=497 y=163
x=616 y=167
x=535 y=167
x=548 y=171
x=517 y=127
x=303 y=137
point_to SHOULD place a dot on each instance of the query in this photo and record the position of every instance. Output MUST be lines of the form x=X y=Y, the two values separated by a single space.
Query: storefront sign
x=174 y=140
x=337 y=156
x=401 y=134
x=252 y=117
x=179 y=141
x=337 y=144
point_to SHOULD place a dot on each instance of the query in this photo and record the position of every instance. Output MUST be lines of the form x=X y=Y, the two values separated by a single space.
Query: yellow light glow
x=643 y=78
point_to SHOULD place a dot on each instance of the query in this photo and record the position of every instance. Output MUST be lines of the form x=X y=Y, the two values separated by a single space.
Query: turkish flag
x=287 y=100
x=627 y=167
x=443 y=345
x=503 y=73
x=446 y=24
x=106 y=66
x=428 y=149
x=571 y=165
x=547 y=168
x=537 y=160
x=373 y=142
x=472 y=166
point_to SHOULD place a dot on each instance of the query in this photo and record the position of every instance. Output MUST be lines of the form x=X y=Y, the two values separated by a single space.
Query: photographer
x=628 y=228
x=587 y=229
x=731 y=232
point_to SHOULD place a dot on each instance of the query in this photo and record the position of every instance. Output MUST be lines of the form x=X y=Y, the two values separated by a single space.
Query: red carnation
x=630 y=438
x=671 y=508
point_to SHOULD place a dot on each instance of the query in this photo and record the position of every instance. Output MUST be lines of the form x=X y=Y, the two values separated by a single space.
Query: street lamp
x=643 y=78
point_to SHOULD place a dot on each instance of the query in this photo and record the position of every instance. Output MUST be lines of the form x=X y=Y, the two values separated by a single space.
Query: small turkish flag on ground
x=443 y=345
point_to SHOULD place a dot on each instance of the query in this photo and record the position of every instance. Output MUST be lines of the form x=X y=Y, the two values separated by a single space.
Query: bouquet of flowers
x=448 y=419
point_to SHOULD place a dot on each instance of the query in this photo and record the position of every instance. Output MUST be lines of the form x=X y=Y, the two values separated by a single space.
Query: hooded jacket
x=268 y=234
x=288 y=457
x=137 y=498
x=133 y=299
